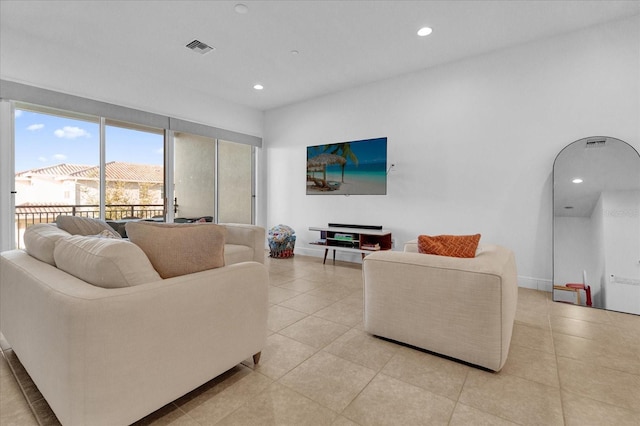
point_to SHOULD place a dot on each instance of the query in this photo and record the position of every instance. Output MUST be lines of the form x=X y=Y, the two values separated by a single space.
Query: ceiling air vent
x=200 y=47
x=596 y=143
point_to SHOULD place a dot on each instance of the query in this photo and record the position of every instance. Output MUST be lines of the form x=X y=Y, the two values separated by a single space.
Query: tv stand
x=351 y=238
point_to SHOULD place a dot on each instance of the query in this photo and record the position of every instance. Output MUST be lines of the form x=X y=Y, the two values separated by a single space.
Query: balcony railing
x=32 y=214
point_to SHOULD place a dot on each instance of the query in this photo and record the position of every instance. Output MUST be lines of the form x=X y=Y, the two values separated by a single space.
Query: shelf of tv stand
x=359 y=237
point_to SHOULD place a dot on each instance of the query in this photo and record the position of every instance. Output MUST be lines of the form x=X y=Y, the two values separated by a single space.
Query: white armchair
x=463 y=308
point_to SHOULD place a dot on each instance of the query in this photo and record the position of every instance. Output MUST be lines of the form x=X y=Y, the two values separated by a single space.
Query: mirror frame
x=584 y=140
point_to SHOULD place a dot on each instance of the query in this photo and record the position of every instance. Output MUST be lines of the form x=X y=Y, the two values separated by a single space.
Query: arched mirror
x=596 y=225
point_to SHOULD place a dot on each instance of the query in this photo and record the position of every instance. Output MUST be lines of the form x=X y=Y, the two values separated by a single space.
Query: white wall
x=473 y=142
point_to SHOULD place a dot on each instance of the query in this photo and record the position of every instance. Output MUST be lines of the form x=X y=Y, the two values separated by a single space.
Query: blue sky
x=43 y=140
x=367 y=151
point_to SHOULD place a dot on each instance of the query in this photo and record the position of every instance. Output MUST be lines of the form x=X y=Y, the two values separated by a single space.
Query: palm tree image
x=343 y=150
x=320 y=163
x=363 y=165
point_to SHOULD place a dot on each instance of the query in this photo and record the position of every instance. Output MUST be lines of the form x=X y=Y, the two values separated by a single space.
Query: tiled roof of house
x=129 y=172
x=56 y=170
x=115 y=170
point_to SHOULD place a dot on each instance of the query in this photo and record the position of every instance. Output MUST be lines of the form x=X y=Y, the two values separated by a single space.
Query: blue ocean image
x=354 y=168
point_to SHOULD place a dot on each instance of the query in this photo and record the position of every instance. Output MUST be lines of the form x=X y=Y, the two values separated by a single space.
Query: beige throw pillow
x=104 y=262
x=77 y=225
x=40 y=240
x=179 y=248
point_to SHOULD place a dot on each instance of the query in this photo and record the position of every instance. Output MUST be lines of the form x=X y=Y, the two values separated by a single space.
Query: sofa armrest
x=247 y=235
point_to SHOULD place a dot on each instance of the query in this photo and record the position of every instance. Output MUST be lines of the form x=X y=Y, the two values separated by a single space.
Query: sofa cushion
x=179 y=248
x=449 y=245
x=40 y=240
x=105 y=234
x=104 y=262
x=77 y=225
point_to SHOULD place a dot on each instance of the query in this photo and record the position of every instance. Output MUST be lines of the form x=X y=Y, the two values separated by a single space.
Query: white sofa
x=463 y=308
x=110 y=356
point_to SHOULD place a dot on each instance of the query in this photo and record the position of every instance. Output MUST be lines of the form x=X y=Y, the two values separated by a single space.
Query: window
x=235 y=182
x=194 y=176
x=134 y=171
x=213 y=179
x=58 y=168
x=51 y=148
x=111 y=162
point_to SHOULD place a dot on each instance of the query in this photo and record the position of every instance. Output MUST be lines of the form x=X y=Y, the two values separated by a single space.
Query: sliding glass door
x=67 y=163
x=194 y=177
x=213 y=180
x=235 y=182
x=134 y=172
x=50 y=149
x=59 y=171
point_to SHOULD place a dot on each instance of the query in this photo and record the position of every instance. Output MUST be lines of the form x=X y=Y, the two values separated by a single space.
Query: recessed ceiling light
x=258 y=87
x=577 y=180
x=294 y=52
x=424 y=31
x=241 y=8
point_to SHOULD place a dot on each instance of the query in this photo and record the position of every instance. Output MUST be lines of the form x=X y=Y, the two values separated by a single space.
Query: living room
x=473 y=139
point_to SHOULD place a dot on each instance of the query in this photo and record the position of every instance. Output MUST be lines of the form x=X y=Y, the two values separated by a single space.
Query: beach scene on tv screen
x=348 y=168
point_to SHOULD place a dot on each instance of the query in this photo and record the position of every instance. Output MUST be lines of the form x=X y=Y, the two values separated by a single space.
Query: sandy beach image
x=348 y=168
x=354 y=183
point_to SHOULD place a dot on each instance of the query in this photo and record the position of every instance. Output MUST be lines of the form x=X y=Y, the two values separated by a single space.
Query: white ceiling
x=63 y=44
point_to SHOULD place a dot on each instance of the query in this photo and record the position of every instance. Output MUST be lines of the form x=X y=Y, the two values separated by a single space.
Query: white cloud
x=42 y=159
x=159 y=151
x=18 y=113
x=59 y=157
x=35 y=127
x=71 y=132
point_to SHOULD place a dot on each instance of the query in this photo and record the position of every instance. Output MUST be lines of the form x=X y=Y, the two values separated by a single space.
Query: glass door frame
x=170 y=176
x=7 y=174
x=7 y=169
x=253 y=182
x=8 y=157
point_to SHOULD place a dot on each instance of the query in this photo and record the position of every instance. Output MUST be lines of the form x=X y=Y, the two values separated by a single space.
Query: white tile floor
x=567 y=365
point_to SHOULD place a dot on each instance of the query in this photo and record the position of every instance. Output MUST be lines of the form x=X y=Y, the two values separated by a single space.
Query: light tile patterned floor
x=567 y=365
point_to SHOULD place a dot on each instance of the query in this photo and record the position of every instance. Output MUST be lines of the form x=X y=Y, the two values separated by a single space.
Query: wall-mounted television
x=348 y=168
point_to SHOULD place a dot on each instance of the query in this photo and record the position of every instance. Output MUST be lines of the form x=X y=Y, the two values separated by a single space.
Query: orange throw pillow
x=449 y=245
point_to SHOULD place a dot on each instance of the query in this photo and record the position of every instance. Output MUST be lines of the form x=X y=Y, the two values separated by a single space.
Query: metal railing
x=32 y=214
